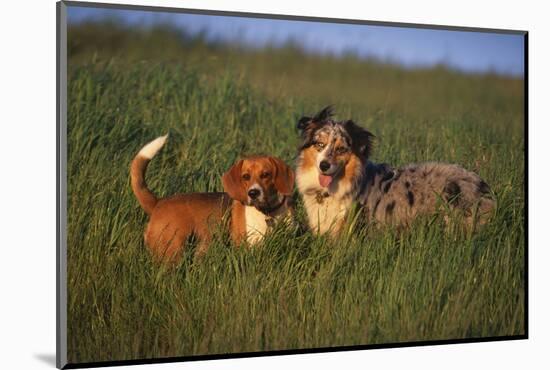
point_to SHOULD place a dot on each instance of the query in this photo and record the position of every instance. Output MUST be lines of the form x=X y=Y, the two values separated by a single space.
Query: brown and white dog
x=257 y=194
x=334 y=172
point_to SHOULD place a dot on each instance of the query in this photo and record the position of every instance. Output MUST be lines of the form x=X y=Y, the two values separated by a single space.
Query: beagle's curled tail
x=145 y=197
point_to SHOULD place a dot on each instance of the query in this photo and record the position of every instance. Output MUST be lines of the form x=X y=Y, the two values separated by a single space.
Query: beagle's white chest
x=256 y=225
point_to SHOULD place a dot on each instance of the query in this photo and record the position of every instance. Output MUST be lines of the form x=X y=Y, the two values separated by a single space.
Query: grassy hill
x=220 y=102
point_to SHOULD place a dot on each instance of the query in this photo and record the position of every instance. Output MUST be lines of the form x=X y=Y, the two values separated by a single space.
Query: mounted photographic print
x=235 y=184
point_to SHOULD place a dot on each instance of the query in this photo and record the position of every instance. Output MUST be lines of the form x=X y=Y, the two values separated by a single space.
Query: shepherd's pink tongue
x=325 y=180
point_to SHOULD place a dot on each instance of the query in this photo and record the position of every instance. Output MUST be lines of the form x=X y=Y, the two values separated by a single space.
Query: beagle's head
x=262 y=182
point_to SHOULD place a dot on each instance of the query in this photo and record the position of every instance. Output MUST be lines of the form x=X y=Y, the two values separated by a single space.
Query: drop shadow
x=47 y=358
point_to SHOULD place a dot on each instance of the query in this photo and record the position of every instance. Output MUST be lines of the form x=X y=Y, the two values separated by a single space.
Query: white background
x=27 y=182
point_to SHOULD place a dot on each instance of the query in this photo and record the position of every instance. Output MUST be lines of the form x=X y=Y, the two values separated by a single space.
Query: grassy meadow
x=221 y=102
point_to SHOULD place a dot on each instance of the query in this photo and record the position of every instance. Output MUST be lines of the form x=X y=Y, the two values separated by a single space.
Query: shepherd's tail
x=145 y=197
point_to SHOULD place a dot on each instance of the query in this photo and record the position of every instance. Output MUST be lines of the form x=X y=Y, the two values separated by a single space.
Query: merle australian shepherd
x=334 y=172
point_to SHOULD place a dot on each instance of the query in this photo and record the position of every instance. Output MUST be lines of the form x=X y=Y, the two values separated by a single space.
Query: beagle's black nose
x=324 y=165
x=253 y=193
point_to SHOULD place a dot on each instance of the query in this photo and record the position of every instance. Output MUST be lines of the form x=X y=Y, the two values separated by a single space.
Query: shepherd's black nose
x=253 y=193
x=324 y=165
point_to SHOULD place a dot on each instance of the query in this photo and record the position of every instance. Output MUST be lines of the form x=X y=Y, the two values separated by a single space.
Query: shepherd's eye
x=319 y=146
x=341 y=150
x=265 y=175
x=246 y=177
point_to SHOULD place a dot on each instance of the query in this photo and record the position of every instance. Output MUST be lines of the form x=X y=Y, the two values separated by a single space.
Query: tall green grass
x=296 y=290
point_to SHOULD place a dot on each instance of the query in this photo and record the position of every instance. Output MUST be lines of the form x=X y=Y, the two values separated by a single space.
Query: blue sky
x=475 y=52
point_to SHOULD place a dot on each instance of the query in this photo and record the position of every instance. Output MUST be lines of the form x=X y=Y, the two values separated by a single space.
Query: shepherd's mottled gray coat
x=398 y=195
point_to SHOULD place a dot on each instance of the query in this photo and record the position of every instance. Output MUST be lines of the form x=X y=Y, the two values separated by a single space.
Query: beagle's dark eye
x=341 y=150
x=319 y=146
x=265 y=175
x=246 y=177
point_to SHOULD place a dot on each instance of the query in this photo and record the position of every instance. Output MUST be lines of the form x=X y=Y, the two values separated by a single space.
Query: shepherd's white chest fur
x=329 y=214
x=256 y=225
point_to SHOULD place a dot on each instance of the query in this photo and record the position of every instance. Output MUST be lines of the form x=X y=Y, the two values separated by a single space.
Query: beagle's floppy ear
x=232 y=182
x=283 y=178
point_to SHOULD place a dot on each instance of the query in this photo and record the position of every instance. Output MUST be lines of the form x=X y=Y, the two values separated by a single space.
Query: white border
x=28 y=182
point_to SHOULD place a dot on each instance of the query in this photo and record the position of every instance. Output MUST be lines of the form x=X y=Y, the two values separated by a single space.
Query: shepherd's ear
x=284 y=176
x=361 y=138
x=232 y=182
x=303 y=122
x=319 y=119
x=324 y=114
